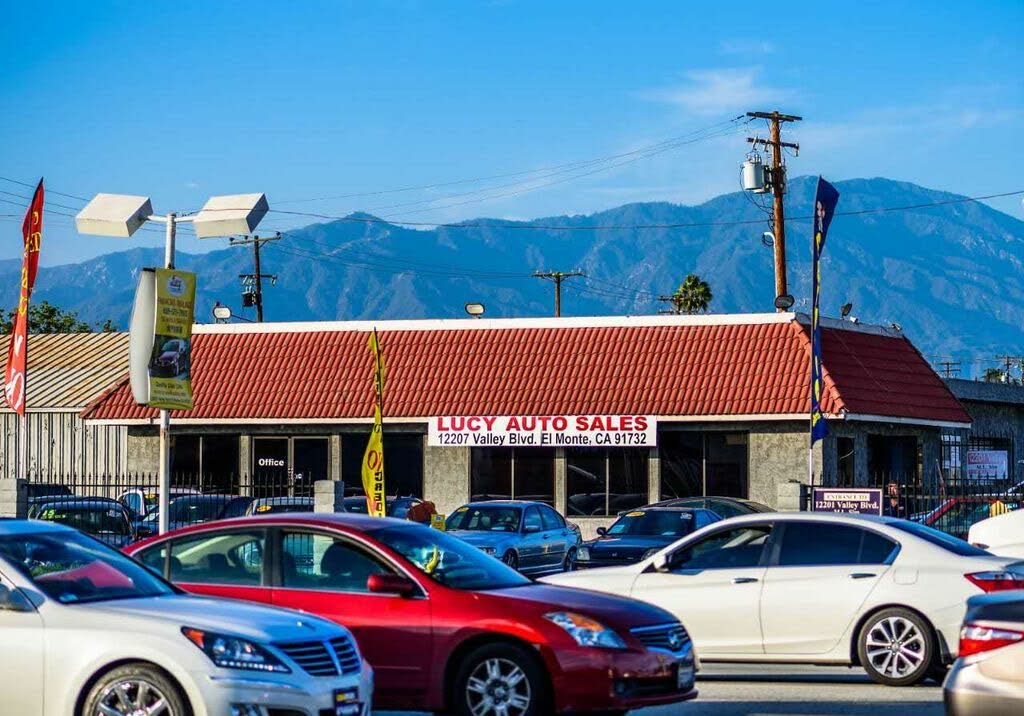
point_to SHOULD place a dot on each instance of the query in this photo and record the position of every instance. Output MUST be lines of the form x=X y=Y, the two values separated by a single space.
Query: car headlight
x=586 y=631
x=651 y=552
x=487 y=550
x=583 y=554
x=231 y=652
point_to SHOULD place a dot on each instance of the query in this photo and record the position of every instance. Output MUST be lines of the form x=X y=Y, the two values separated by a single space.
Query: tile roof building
x=728 y=395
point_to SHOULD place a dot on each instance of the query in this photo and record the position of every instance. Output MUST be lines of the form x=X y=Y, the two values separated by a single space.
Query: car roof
x=506 y=503
x=11 y=526
x=836 y=517
x=665 y=508
x=80 y=502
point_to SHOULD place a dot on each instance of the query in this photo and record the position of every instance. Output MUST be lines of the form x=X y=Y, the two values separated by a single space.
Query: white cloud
x=714 y=91
x=191 y=185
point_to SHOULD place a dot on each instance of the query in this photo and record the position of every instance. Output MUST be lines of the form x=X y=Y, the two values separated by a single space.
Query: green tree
x=693 y=296
x=998 y=375
x=44 y=317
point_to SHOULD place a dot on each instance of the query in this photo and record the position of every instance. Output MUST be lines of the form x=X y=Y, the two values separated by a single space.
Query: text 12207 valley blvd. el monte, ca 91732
x=543 y=430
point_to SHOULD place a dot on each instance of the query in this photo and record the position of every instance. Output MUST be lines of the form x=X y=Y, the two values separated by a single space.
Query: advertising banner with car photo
x=987 y=465
x=543 y=431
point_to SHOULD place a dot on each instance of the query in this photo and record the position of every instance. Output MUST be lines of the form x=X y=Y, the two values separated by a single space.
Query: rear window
x=939 y=539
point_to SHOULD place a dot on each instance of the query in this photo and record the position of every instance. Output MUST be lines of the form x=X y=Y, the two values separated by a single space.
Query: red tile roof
x=707 y=366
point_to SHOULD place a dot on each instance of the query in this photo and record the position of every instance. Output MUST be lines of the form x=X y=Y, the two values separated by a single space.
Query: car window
x=153 y=558
x=552 y=520
x=729 y=549
x=485 y=518
x=724 y=509
x=133 y=502
x=807 y=544
x=101 y=519
x=219 y=558
x=664 y=523
x=532 y=521
x=939 y=539
x=703 y=519
x=318 y=561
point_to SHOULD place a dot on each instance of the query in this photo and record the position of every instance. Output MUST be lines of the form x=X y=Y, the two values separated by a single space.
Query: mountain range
x=951 y=275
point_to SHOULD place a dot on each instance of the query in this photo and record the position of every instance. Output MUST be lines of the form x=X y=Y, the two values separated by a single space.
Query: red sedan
x=445 y=626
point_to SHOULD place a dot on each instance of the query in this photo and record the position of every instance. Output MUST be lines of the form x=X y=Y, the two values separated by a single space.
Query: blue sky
x=182 y=100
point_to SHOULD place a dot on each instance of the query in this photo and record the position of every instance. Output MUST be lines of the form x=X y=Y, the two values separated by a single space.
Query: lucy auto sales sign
x=543 y=431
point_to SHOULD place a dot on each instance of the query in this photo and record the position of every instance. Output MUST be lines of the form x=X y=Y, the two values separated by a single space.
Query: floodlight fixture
x=784 y=302
x=118 y=215
x=229 y=215
x=475 y=309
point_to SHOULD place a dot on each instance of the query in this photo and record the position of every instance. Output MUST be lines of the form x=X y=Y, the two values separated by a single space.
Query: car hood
x=627 y=545
x=617 y=612
x=236 y=618
x=479 y=538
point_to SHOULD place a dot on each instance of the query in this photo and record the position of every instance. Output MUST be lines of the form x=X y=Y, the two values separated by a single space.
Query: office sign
x=862 y=500
x=543 y=431
x=987 y=465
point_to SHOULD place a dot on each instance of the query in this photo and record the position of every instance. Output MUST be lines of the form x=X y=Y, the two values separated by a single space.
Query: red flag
x=17 y=353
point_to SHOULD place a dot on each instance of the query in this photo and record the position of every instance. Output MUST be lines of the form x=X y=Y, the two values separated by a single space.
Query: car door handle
x=744 y=580
x=862 y=575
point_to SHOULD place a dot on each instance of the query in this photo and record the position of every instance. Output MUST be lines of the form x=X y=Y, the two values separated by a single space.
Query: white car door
x=817 y=579
x=21 y=653
x=714 y=586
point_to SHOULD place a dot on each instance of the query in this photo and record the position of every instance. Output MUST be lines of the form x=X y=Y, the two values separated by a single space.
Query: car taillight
x=996 y=581
x=975 y=639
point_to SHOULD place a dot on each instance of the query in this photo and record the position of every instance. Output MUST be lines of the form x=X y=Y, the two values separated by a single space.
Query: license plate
x=684 y=676
x=346 y=702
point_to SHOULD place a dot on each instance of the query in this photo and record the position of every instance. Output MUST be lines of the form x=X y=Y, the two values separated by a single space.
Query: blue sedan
x=640 y=533
x=528 y=536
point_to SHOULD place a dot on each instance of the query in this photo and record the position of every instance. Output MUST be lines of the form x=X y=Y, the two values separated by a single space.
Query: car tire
x=511 y=559
x=499 y=675
x=569 y=563
x=897 y=647
x=143 y=684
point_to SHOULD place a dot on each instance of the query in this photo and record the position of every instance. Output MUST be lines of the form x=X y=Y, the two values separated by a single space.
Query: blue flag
x=825 y=199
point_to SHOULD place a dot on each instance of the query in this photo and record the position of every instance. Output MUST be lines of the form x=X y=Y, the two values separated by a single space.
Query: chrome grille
x=671 y=637
x=312 y=656
x=348 y=657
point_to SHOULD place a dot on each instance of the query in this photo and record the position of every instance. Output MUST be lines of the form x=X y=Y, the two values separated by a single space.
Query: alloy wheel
x=895 y=647
x=511 y=559
x=498 y=687
x=132 y=697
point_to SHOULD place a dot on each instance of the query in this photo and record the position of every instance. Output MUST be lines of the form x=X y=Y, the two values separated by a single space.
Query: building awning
x=718 y=367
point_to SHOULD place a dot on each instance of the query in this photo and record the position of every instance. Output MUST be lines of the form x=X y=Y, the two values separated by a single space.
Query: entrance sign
x=987 y=465
x=862 y=500
x=543 y=431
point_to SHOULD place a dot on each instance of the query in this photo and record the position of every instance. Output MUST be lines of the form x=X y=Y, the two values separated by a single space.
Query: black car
x=37 y=490
x=396 y=506
x=726 y=507
x=105 y=519
x=640 y=533
x=185 y=510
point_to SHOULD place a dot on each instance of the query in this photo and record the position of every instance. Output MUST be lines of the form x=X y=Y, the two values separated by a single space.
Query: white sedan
x=816 y=588
x=1002 y=534
x=84 y=630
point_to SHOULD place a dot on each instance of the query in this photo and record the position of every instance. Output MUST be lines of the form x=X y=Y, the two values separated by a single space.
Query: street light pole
x=164 y=477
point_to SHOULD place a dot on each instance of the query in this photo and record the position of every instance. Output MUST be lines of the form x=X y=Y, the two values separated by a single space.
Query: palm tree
x=693 y=296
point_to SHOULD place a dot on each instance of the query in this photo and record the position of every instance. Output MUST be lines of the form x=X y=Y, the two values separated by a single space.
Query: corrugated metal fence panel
x=60 y=443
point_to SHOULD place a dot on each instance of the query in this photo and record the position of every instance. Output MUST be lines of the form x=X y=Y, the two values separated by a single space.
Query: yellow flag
x=373 y=468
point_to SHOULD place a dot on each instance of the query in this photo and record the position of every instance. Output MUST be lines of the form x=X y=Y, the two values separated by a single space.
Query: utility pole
x=1009 y=362
x=777 y=181
x=949 y=368
x=674 y=301
x=256 y=279
x=558 y=277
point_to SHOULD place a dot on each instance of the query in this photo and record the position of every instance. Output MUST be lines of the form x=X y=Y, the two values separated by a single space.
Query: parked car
x=185 y=510
x=105 y=519
x=235 y=507
x=395 y=506
x=35 y=490
x=988 y=677
x=140 y=501
x=445 y=627
x=99 y=634
x=527 y=536
x=641 y=533
x=957 y=515
x=270 y=505
x=817 y=588
x=726 y=507
x=173 y=358
x=1002 y=534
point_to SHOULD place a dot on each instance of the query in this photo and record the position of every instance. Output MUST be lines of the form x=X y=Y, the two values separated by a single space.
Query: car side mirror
x=661 y=563
x=12 y=600
x=391 y=584
x=602 y=531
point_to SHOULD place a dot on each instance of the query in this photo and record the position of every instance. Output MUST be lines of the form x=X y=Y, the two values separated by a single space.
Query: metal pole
x=165 y=415
x=779 y=230
x=259 y=281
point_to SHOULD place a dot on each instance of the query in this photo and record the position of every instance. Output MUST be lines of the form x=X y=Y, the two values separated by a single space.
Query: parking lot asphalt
x=772 y=690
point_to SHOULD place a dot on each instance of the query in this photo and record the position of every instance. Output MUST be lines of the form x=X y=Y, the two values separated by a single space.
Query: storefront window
x=403 y=463
x=508 y=473
x=605 y=482
x=209 y=462
x=695 y=463
x=894 y=458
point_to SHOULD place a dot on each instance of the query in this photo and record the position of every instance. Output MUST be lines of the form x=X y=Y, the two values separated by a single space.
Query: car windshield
x=92 y=519
x=485 y=518
x=72 y=568
x=939 y=539
x=448 y=560
x=668 y=523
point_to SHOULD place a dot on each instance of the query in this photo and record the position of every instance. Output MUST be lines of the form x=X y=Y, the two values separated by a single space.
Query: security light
x=229 y=215
x=118 y=215
x=475 y=309
x=221 y=312
x=784 y=302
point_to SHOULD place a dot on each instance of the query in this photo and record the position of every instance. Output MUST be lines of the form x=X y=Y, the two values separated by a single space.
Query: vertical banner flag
x=17 y=351
x=825 y=200
x=373 y=458
x=170 y=363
